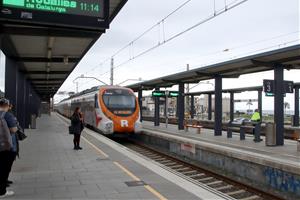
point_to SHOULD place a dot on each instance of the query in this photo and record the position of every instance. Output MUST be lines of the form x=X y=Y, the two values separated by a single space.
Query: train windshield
x=120 y=102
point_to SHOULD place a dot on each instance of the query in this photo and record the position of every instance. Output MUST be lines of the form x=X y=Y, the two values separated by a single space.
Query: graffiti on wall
x=282 y=181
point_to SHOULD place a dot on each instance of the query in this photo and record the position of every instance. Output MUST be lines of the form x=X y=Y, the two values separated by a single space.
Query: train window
x=119 y=99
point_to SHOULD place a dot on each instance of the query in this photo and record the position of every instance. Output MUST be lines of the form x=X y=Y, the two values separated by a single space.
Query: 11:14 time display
x=89 y=7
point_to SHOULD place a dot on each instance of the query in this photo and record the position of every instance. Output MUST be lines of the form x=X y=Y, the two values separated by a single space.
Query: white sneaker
x=7 y=194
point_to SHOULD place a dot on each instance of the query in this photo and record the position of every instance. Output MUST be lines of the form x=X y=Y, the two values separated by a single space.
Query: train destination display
x=75 y=7
x=77 y=13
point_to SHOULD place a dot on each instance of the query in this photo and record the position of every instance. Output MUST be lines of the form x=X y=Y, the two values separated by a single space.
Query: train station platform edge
x=283 y=157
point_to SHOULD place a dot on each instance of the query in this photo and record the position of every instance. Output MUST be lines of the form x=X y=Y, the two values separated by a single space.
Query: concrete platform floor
x=49 y=168
x=286 y=154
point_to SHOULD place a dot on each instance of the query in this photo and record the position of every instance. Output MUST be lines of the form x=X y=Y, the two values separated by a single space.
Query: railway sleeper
x=189 y=172
x=205 y=179
x=253 y=197
x=183 y=169
x=224 y=187
x=214 y=183
x=235 y=192
x=197 y=175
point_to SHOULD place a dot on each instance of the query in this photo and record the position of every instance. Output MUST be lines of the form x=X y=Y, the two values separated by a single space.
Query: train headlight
x=137 y=127
x=108 y=127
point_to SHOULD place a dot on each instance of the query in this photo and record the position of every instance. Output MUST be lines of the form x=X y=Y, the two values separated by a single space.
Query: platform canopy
x=48 y=52
x=289 y=57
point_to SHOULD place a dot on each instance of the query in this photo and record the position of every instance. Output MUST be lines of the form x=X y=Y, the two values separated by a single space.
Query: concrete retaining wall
x=279 y=182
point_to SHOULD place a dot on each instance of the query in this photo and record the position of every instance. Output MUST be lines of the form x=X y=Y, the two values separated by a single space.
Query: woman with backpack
x=77 y=127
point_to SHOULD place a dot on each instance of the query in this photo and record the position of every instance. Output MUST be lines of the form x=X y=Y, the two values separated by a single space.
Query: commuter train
x=113 y=110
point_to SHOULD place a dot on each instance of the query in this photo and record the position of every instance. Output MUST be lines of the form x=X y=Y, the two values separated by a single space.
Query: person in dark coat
x=77 y=127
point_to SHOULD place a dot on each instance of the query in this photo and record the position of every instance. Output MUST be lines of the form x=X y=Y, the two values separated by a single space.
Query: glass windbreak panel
x=120 y=102
x=2 y=74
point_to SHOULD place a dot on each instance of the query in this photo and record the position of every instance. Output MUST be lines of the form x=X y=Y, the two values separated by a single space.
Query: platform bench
x=198 y=127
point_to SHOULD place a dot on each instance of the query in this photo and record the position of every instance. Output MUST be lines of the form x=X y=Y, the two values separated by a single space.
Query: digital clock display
x=92 y=8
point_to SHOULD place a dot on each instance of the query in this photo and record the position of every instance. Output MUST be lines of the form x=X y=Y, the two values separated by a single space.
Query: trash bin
x=270 y=134
x=292 y=120
x=33 y=122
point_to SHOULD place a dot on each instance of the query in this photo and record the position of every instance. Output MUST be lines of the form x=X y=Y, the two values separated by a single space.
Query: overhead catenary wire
x=162 y=21
x=217 y=13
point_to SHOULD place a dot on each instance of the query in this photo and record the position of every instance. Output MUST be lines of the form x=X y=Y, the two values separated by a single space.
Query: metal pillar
x=27 y=105
x=11 y=83
x=140 y=100
x=218 y=106
x=156 y=110
x=231 y=106
x=278 y=104
x=192 y=106
x=296 y=114
x=180 y=106
x=209 y=111
x=259 y=99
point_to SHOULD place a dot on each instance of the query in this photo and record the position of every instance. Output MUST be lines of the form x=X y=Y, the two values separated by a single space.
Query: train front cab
x=117 y=112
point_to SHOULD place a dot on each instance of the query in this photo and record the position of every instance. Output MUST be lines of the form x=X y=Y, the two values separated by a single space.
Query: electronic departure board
x=92 y=14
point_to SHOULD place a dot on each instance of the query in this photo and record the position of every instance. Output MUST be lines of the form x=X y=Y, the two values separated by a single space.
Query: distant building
x=201 y=106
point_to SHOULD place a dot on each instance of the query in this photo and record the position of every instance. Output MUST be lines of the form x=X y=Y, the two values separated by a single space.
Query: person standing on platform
x=77 y=127
x=8 y=128
x=15 y=140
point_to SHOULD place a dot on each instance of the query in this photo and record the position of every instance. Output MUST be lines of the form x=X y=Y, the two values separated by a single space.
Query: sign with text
x=78 y=13
x=269 y=87
x=188 y=147
x=158 y=93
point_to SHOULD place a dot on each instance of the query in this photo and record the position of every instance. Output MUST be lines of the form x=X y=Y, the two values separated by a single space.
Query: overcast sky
x=250 y=28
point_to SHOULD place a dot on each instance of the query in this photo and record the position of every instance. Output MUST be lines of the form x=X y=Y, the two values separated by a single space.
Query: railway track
x=199 y=176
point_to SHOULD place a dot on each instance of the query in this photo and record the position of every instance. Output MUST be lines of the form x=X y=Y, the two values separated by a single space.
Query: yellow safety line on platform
x=153 y=191
x=127 y=171
x=96 y=148
x=148 y=187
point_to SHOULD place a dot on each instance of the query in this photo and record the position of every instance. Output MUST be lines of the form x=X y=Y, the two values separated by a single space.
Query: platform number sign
x=288 y=87
x=269 y=87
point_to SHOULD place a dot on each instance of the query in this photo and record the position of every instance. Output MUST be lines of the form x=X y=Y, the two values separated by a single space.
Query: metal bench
x=242 y=129
x=198 y=127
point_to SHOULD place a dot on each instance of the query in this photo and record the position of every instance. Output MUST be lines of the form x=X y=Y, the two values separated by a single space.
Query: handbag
x=5 y=136
x=20 y=133
x=71 y=130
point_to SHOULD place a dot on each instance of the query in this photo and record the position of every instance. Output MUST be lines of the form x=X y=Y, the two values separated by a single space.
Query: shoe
x=79 y=148
x=7 y=194
x=75 y=148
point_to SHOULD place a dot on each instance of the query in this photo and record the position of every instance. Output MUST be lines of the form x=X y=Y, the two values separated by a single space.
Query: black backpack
x=5 y=136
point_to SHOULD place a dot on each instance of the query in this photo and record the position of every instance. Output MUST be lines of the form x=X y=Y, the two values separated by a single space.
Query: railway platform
x=49 y=168
x=273 y=169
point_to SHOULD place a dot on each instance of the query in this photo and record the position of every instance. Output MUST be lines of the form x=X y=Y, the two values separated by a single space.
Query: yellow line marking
x=96 y=148
x=148 y=187
x=127 y=172
x=153 y=191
